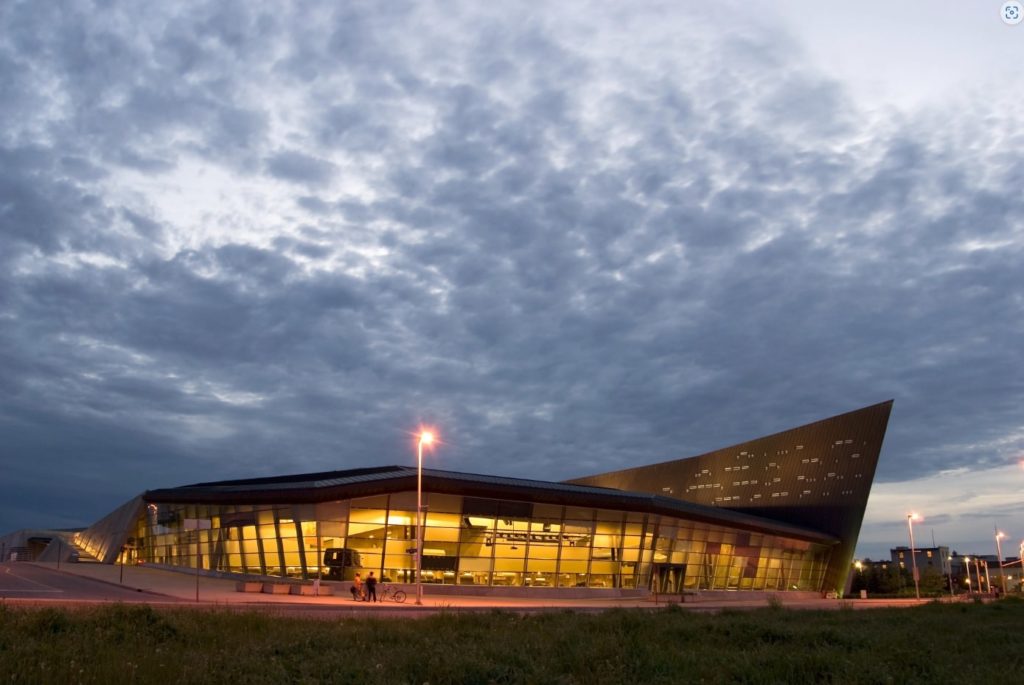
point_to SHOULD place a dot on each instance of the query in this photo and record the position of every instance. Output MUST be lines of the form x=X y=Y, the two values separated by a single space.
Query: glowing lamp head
x=426 y=437
x=914 y=516
x=1000 y=535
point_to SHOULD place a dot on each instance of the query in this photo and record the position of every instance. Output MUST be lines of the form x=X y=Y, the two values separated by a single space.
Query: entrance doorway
x=667 y=579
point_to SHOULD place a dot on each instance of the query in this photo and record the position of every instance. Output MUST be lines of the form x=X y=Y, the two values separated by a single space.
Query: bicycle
x=392 y=593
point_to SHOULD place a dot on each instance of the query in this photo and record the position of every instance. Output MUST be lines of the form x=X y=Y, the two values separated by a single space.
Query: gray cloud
x=300 y=168
x=570 y=255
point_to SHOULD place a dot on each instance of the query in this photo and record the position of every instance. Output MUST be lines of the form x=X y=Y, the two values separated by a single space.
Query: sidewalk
x=180 y=587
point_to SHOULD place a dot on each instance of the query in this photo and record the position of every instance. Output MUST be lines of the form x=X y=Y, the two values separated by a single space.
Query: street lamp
x=999 y=558
x=967 y=567
x=426 y=438
x=913 y=554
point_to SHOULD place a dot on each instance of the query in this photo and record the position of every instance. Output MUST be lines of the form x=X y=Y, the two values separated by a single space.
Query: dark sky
x=243 y=239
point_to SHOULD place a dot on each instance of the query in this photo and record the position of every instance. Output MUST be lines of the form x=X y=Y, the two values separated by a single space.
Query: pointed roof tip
x=885 y=406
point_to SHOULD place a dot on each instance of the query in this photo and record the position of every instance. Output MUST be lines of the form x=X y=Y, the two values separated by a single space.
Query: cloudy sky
x=243 y=239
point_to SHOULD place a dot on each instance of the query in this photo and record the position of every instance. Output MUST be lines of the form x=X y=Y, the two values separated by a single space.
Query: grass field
x=958 y=643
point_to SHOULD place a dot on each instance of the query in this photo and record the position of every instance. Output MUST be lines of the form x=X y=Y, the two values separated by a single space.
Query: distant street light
x=967 y=567
x=913 y=554
x=1020 y=557
x=999 y=558
x=426 y=438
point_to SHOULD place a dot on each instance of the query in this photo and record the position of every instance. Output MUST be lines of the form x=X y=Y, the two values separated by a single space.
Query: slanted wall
x=105 y=538
x=818 y=475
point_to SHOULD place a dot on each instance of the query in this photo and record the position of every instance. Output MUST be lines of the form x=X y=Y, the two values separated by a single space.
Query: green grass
x=128 y=643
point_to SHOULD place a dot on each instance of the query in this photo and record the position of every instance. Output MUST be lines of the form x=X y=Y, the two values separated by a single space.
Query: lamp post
x=913 y=554
x=426 y=438
x=967 y=567
x=999 y=558
x=1020 y=557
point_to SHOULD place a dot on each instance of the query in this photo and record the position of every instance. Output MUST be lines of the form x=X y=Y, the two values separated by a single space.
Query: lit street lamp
x=967 y=567
x=1020 y=558
x=999 y=558
x=426 y=438
x=913 y=554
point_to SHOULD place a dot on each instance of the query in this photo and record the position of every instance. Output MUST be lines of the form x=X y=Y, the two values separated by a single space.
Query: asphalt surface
x=86 y=584
x=33 y=582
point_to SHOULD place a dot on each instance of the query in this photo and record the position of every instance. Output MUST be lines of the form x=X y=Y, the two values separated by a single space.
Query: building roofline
x=763 y=438
x=332 y=485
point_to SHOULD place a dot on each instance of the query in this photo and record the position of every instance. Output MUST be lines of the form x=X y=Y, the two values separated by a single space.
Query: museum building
x=776 y=513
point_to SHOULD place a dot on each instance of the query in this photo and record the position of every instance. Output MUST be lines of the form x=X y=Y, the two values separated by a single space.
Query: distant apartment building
x=928 y=559
x=984 y=572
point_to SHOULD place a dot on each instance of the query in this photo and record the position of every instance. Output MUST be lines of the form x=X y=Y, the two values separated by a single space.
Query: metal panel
x=817 y=476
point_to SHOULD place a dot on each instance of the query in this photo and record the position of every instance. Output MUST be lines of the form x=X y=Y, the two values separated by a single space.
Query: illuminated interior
x=476 y=541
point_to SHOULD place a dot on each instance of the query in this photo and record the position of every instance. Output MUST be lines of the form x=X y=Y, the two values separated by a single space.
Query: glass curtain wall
x=475 y=541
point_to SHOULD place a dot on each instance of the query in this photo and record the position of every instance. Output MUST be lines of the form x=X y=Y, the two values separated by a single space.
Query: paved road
x=32 y=584
x=29 y=581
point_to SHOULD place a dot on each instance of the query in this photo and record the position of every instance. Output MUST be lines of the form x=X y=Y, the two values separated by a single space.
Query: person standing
x=371 y=588
x=357 y=588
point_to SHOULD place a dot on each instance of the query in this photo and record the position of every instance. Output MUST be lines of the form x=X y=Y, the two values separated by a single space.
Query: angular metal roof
x=331 y=485
x=818 y=475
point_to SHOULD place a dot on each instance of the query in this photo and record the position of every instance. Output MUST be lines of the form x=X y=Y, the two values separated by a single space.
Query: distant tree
x=932 y=582
x=893 y=580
